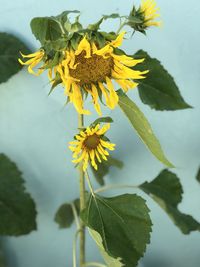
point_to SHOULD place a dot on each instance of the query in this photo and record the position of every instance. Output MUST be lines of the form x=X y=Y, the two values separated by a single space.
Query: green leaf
x=123 y=223
x=63 y=17
x=10 y=46
x=2 y=257
x=101 y=120
x=17 y=209
x=198 y=175
x=65 y=215
x=104 y=168
x=158 y=89
x=111 y=262
x=142 y=127
x=46 y=29
x=167 y=191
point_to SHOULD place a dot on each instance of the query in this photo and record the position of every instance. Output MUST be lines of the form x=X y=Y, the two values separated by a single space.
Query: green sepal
x=110 y=36
x=142 y=126
x=53 y=61
x=95 y=26
x=167 y=191
x=99 y=39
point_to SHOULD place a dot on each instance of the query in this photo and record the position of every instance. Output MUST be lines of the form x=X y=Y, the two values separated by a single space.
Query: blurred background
x=35 y=130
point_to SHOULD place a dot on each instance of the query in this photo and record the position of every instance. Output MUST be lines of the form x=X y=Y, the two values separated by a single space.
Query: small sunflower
x=91 y=70
x=90 y=145
x=149 y=10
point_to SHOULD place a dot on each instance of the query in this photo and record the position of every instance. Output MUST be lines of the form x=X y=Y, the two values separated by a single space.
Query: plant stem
x=89 y=183
x=82 y=201
x=122 y=24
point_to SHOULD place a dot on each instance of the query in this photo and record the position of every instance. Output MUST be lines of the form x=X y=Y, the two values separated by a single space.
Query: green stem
x=82 y=201
x=122 y=24
x=89 y=183
x=74 y=248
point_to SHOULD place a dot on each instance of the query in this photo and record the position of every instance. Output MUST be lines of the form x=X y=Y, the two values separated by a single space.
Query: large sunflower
x=90 y=145
x=92 y=70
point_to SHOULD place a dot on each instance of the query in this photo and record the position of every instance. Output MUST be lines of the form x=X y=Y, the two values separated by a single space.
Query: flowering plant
x=88 y=63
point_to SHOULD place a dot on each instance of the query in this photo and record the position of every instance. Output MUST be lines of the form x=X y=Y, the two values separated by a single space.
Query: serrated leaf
x=198 y=175
x=123 y=223
x=142 y=127
x=104 y=168
x=158 y=89
x=111 y=262
x=167 y=191
x=65 y=216
x=17 y=209
x=101 y=120
x=10 y=46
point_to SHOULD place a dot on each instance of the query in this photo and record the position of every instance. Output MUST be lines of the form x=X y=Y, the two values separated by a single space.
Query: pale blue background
x=35 y=129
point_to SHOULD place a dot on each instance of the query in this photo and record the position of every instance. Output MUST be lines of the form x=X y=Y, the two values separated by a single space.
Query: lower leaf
x=123 y=223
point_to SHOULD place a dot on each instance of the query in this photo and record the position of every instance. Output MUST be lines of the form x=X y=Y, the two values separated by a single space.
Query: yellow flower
x=90 y=69
x=33 y=61
x=149 y=10
x=91 y=146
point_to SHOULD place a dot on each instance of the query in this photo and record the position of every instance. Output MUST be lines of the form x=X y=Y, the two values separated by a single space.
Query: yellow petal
x=118 y=41
x=104 y=129
x=105 y=93
x=84 y=45
x=113 y=95
x=95 y=97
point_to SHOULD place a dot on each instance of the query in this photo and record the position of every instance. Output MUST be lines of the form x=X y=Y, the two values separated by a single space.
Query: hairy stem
x=82 y=201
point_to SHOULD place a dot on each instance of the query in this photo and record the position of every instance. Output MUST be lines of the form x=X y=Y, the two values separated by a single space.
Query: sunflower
x=149 y=10
x=89 y=69
x=91 y=145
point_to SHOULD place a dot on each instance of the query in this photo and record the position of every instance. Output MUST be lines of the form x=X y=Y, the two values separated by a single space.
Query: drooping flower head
x=150 y=13
x=90 y=145
x=89 y=69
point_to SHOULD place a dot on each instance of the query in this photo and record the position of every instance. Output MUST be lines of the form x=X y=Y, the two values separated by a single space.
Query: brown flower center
x=91 y=70
x=92 y=141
